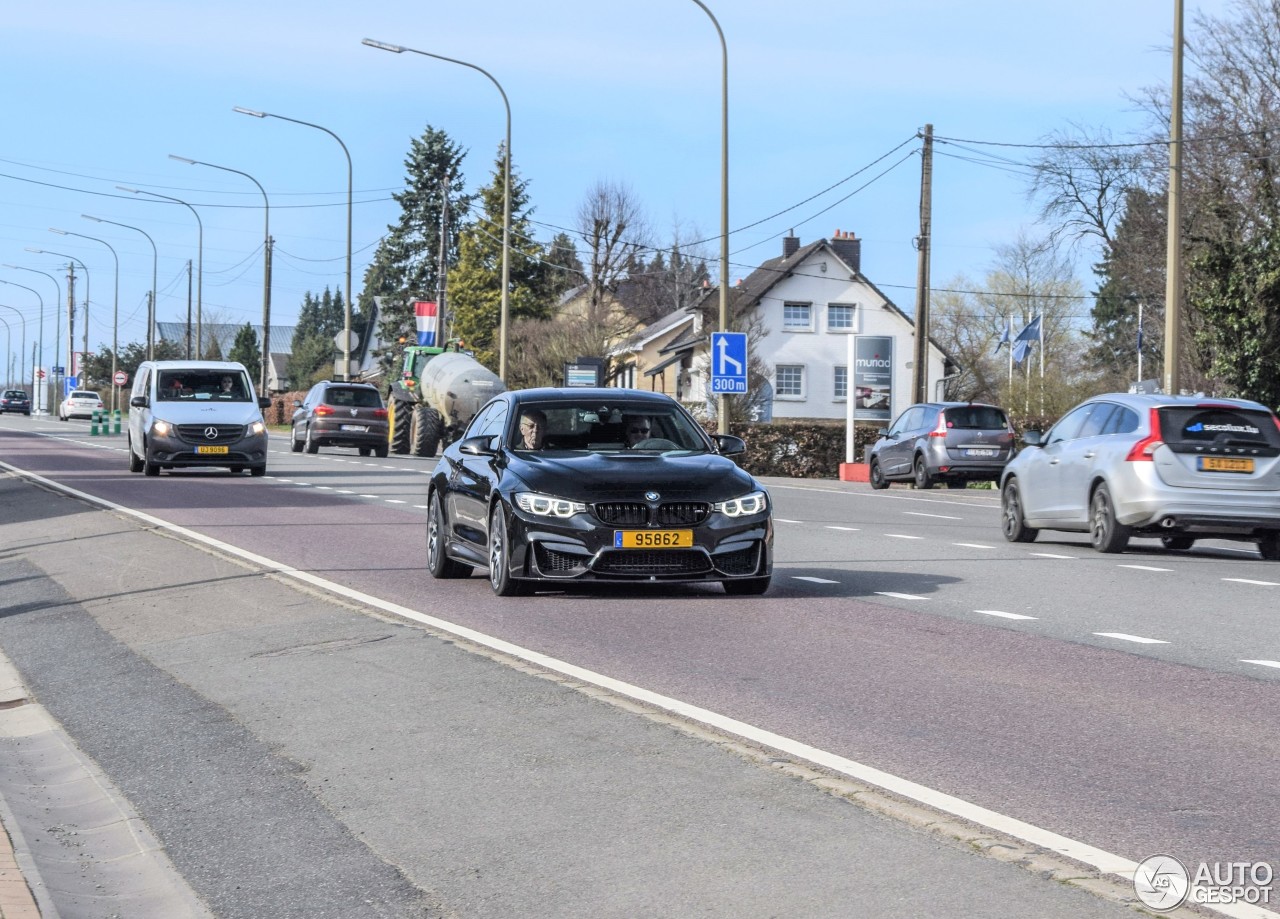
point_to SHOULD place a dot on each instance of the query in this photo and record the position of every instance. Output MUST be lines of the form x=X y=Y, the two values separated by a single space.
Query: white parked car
x=1174 y=468
x=80 y=403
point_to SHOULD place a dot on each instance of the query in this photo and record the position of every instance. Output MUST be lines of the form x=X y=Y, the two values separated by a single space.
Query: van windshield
x=201 y=385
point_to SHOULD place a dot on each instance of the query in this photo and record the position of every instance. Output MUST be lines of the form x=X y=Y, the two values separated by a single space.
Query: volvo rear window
x=1221 y=426
x=976 y=418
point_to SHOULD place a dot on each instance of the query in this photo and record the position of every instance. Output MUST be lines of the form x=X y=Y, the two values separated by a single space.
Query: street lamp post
x=199 y=266
x=155 y=266
x=266 y=262
x=115 y=312
x=8 y=352
x=22 y=355
x=722 y=423
x=39 y=339
x=58 y=288
x=506 y=194
x=71 y=323
x=346 y=325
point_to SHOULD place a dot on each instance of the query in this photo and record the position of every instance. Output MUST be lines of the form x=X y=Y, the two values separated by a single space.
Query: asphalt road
x=879 y=643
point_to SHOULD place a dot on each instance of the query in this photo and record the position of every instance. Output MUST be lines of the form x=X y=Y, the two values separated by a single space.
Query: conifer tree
x=245 y=349
x=474 y=296
x=404 y=268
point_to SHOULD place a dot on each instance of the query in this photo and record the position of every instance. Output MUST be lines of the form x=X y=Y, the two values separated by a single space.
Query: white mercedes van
x=196 y=413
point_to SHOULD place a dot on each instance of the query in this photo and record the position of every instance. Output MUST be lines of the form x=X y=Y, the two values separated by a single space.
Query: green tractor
x=437 y=394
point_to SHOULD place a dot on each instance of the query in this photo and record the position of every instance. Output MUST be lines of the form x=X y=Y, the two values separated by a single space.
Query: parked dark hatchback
x=15 y=400
x=587 y=505
x=952 y=442
x=340 y=415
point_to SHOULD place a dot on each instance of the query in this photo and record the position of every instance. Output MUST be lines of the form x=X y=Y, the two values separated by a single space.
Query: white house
x=808 y=303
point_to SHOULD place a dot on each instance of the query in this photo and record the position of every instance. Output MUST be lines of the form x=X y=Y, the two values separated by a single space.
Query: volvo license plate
x=206 y=450
x=1224 y=464
x=652 y=539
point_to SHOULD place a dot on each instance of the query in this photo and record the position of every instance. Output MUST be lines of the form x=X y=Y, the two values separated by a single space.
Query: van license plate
x=1224 y=464
x=652 y=539
x=215 y=450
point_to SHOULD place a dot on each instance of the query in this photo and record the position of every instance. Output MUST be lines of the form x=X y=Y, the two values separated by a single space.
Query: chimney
x=790 y=244
x=849 y=248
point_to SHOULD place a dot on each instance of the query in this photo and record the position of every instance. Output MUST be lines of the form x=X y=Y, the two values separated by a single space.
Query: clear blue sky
x=97 y=95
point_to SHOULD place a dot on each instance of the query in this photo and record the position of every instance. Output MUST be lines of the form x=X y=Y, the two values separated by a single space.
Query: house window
x=788 y=381
x=840 y=317
x=840 y=383
x=797 y=317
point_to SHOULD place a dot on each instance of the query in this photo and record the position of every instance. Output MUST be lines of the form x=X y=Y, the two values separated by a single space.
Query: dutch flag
x=424 y=313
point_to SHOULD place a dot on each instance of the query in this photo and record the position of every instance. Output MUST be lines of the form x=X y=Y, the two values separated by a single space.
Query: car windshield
x=1220 y=425
x=199 y=385
x=976 y=418
x=355 y=397
x=609 y=427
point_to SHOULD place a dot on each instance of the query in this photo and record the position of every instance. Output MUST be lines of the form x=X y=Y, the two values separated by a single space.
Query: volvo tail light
x=1142 y=451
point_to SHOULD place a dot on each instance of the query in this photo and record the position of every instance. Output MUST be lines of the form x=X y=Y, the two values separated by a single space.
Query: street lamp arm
x=199 y=259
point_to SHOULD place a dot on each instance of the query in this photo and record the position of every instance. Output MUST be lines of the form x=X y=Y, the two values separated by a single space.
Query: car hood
x=208 y=412
x=624 y=476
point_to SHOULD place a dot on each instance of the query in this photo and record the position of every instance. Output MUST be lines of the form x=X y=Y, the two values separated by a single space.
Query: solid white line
x=972 y=545
x=1002 y=615
x=1138 y=638
x=1144 y=568
x=890 y=593
x=938 y=516
x=1104 y=861
x=846 y=529
x=1050 y=555
x=1248 y=581
x=902 y=536
x=1263 y=663
x=801 y=577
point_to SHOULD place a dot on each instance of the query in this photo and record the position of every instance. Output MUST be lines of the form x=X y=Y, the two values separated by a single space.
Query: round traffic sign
x=121 y=378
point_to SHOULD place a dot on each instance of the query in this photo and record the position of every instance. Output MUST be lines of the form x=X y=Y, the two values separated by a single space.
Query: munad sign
x=873 y=378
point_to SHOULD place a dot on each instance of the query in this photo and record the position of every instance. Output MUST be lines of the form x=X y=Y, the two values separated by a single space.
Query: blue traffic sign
x=728 y=362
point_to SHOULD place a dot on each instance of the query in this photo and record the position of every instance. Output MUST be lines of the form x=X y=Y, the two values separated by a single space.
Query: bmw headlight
x=755 y=503
x=257 y=428
x=161 y=428
x=548 y=505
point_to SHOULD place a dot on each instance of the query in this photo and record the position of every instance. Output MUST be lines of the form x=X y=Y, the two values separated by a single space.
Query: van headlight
x=258 y=427
x=548 y=505
x=161 y=428
x=755 y=503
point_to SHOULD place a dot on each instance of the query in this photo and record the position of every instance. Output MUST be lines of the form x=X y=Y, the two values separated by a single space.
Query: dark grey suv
x=340 y=415
x=951 y=442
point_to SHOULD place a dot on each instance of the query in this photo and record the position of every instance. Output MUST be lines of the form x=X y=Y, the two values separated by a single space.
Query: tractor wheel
x=418 y=431
x=400 y=415
x=432 y=427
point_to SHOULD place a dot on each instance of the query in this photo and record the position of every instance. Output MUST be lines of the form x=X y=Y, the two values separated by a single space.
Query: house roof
x=656 y=329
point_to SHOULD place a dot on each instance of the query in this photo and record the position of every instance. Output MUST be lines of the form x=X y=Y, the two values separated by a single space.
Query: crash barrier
x=93 y=424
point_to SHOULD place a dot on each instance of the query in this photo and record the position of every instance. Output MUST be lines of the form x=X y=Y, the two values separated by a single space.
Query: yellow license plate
x=1225 y=464
x=652 y=539
x=211 y=450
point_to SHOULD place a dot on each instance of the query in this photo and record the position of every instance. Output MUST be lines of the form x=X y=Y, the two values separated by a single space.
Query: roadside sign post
x=729 y=363
x=119 y=379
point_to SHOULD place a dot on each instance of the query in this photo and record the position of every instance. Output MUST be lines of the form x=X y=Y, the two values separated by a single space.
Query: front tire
x=1105 y=532
x=875 y=475
x=258 y=471
x=923 y=479
x=294 y=444
x=149 y=468
x=311 y=445
x=135 y=461
x=500 y=579
x=1012 y=522
x=438 y=561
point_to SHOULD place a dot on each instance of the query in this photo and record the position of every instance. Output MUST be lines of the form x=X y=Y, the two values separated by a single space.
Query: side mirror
x=478 y=446
x=729 y=445
x=297 y=403
x=883 y=432
x=264 y=402
x=1032 y=438
x=138 y=402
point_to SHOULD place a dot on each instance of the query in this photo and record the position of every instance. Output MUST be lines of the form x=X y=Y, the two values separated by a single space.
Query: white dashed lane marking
x=1050 y=555
x=1002 y=614
x=1144 y=568
x=1248 y=581
x=889 y=593
x=902 y=536
x=1121 y=636
x=1264 y=663
x=972 y=545
x=937 y=516
x=801 y=577
x=845 y=529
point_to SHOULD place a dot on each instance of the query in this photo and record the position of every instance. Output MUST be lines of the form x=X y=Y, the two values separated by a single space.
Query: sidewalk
x=16 y=899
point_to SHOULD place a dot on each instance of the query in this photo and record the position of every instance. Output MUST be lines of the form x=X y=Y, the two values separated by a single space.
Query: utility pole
x=266 y=320
x=188 y=309
x=1173 y=294
x=442 y=269
x=920 y=365
x=71 y=320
